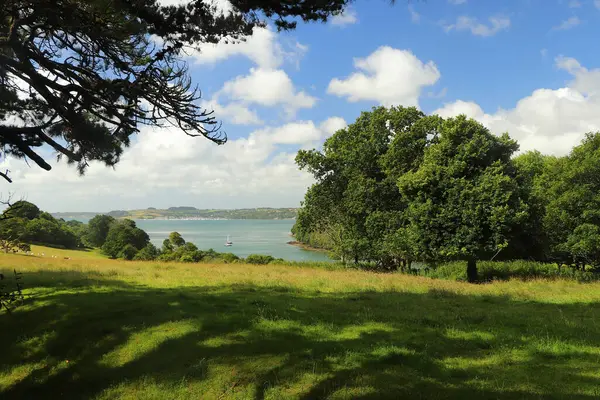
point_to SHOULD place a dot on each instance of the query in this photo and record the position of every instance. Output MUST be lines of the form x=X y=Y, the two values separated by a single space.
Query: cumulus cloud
x=235 y=112
x=164 y=167
x=466 y=23
x=348 y=17
x=549 y=120
x=389 y=76
x=268 y=88
x=262 y=47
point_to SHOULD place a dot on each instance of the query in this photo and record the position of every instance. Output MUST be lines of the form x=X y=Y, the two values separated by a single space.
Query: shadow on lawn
x=404 y=353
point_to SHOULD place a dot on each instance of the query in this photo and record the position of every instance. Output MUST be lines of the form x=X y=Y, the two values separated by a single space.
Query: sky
x=527 y=67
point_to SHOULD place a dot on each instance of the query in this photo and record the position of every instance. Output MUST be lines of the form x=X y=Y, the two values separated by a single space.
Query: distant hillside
x=190 y=213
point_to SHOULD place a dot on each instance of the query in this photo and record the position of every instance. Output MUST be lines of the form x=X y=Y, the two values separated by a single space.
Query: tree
x=531 y=240
x=81 y=76
x=12 y=232
x=355 y=200
x=122 y=234
x=573 y=206
x=176 y=239
x=464 y=200
x=22 y=209
x=128 y=252
x=98 y=228
x=148 y=253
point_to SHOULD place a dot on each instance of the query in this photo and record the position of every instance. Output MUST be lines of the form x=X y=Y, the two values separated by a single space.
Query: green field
x=98 y=328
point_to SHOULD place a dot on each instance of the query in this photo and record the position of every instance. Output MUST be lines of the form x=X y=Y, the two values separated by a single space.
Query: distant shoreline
x=306 y=247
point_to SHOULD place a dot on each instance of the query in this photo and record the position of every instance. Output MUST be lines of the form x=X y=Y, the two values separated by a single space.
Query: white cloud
x=332 y=125
x=415 y=17
x=262 y=47
x=224 y=6
x=235 y=112
x=585 y=81
x=347 y=17
x=267 y=87
x=567 y=24
x=389 y=76
x=164 y=167
x=457 y=2
x=549 y=120
x=597 y=3
x=544 y=52
x=574 y=4
x=465 y=23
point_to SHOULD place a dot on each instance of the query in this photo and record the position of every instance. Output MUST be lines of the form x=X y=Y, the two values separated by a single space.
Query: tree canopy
x=82 y=76
x=397 y=186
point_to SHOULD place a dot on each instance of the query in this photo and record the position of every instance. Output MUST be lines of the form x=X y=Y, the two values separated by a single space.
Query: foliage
x=81 y=76
x=356 y=183
x=507 y=270
x=22 y=209
x=50 y=231
x=122 y=236
x=397 y=186
x=128 y=252
x=464 y=200
x=11 y=294
x=12 y=232
x=259 y=259
x=176 y=239
x=148 y=253
x=98 y=228
x=572 y=216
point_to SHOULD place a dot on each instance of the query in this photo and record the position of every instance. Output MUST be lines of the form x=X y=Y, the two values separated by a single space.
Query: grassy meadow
x=105 y=329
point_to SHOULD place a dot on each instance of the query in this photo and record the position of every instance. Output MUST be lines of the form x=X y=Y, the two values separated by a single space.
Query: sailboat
x=228 y=242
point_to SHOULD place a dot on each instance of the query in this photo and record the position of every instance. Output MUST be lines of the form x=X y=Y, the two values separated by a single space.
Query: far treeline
x=23 y=224
x=191 y=212
x=398 y=186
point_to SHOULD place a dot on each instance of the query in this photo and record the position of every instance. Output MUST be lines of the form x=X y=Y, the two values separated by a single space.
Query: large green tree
x=124 y=240
x=81 y=76
x=98 y=229
x=464 y=198
x=355 y=199
x=572 y=218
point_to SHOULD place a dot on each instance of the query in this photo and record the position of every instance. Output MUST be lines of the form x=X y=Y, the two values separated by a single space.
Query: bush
x=148 y=253
x=128 y=252
x=187 y=258
x=229 y=257
x=259 y=259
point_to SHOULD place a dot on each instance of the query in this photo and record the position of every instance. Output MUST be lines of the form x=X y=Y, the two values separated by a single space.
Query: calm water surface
x=248 y=236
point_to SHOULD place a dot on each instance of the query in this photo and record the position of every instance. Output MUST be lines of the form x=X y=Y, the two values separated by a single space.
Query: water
x=248 y=236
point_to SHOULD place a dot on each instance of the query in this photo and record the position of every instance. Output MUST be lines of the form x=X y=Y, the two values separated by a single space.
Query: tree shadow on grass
x=254 y=342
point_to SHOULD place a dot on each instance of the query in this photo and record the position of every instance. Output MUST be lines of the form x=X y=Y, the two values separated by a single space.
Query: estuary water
x=248 y=236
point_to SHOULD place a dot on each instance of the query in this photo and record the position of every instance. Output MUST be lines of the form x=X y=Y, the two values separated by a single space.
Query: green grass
x=105 y=329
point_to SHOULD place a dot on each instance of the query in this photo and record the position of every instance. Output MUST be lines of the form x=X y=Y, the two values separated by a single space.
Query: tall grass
x=505 y=270
x=96 y=328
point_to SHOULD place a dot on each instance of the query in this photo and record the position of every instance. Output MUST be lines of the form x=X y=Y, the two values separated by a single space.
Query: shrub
x=128 y=252
x=148 y=253
x=259 y=259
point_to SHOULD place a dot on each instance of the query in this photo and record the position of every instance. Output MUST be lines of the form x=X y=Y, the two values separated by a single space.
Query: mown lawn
x=103 y=329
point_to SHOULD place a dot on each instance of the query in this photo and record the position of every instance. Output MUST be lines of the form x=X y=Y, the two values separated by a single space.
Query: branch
x=5 y=176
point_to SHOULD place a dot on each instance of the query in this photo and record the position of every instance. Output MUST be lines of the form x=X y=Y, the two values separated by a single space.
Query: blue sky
x=529 y=67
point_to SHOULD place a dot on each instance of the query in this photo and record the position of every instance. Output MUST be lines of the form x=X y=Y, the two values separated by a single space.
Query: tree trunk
x=472 y=270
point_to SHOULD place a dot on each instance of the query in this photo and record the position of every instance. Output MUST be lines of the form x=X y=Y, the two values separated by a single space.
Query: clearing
x=103 y=329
